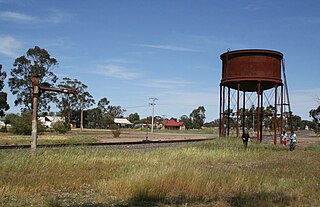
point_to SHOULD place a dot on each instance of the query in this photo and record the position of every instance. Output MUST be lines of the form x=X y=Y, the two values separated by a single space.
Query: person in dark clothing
x=245 y=139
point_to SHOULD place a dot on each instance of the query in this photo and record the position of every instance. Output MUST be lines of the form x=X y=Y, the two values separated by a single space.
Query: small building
x=122 y=122
x=48 y=121
x=173 y=125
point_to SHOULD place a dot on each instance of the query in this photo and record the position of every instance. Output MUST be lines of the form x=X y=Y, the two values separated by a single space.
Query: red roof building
x=172 y=124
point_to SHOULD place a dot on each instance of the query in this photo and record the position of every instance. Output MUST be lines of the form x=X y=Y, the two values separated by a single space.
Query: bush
x=116 y=133
x=60 y=127
x=23 y=124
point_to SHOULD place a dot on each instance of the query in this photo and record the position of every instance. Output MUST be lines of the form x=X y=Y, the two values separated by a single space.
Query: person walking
x=283 y=138
x=245 y=139
x=293 y=141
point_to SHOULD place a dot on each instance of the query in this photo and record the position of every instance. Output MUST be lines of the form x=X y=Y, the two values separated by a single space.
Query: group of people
x=283 y=139
x=292 y=138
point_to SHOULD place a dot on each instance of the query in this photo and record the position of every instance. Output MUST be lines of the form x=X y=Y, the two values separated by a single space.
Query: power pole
x=152 y=104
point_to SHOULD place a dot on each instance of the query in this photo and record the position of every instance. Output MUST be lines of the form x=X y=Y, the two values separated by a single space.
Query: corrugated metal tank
x=248 y=67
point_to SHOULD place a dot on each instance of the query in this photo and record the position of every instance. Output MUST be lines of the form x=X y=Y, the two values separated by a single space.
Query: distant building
x=48 y=121
x=122 y=122
x=2 y=124
x=173 y=125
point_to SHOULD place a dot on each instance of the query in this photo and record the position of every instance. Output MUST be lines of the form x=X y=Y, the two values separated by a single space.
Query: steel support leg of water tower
x=238 y=97
x=229 y=111
x=243 y=111
x=223 y=112
x=220 y=122
x=258 y=114
x=275 y=115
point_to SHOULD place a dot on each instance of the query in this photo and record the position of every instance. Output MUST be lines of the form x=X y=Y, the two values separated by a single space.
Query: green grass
x=215 y=173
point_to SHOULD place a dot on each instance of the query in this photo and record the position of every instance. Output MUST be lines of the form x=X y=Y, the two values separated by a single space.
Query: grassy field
x=48 y=138
x=214 y=173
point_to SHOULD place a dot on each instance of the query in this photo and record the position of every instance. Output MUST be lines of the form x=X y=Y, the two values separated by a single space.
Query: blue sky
x=131 y=50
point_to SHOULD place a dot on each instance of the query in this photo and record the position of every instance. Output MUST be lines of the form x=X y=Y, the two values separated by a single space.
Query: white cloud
x=54 y=16
x=58 y=16
x=9 y=46
x=16 y=17
x=169 y=47
x=166 y=84
x=116 y=71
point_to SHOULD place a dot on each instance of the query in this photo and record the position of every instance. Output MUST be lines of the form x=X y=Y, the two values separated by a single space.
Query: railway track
x=136 y=143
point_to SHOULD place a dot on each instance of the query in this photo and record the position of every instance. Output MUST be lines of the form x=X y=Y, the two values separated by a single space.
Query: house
x=48 y=121
x=173 y=125
x=122 y=122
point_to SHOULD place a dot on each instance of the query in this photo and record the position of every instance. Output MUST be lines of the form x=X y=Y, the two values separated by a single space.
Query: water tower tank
x=249 y=67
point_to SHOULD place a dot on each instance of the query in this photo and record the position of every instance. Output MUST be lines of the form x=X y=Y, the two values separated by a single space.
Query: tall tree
x=186 y=120
x=4 y=106
x=198 y=117
x=315 y=114
x=116 y=111
x=37 y=62
x=82 y=100
x=103 y=104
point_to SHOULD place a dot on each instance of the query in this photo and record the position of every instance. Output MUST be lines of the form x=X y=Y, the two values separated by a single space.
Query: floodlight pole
x=152 y=104
x=35 y=95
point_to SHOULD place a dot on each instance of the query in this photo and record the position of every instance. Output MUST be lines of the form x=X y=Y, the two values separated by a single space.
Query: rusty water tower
x=253 y=94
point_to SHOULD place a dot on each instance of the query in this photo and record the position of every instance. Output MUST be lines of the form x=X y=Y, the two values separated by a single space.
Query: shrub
x=60 y=127
x=23 y=124
x=116 y=133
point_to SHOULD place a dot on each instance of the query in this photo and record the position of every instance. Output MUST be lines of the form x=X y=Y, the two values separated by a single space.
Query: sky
x=132 y=50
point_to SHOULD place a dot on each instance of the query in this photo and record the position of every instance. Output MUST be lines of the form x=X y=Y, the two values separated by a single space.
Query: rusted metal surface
x=250 y=66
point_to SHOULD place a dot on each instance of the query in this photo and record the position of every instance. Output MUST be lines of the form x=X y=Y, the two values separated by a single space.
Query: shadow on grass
x=261 y=199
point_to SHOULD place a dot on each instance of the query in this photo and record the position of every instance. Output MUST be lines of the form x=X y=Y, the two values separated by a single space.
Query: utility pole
x=152 y=104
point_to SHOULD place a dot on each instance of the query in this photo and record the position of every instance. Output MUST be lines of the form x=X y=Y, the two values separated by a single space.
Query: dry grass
x=216 y=173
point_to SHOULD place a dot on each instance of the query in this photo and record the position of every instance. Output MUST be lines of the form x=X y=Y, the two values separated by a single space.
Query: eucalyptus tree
x=36 y=62
x=4 y=106
x=68 y=103
x=197 y=117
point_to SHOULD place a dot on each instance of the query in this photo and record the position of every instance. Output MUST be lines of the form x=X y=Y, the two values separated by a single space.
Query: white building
x=48 y=121
x=122 y=122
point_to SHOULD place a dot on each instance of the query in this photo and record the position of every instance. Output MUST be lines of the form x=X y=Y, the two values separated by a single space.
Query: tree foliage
x=134 y=118
x=187 y=121
x=4 y=106
x=37 y=62
x=198 y=117
x=315 y=114
x=70 y=103
x=22 y=124
x=103 y=115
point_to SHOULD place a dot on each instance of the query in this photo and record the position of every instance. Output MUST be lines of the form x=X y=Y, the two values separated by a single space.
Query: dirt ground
x=138 y=137
x=305 y=138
